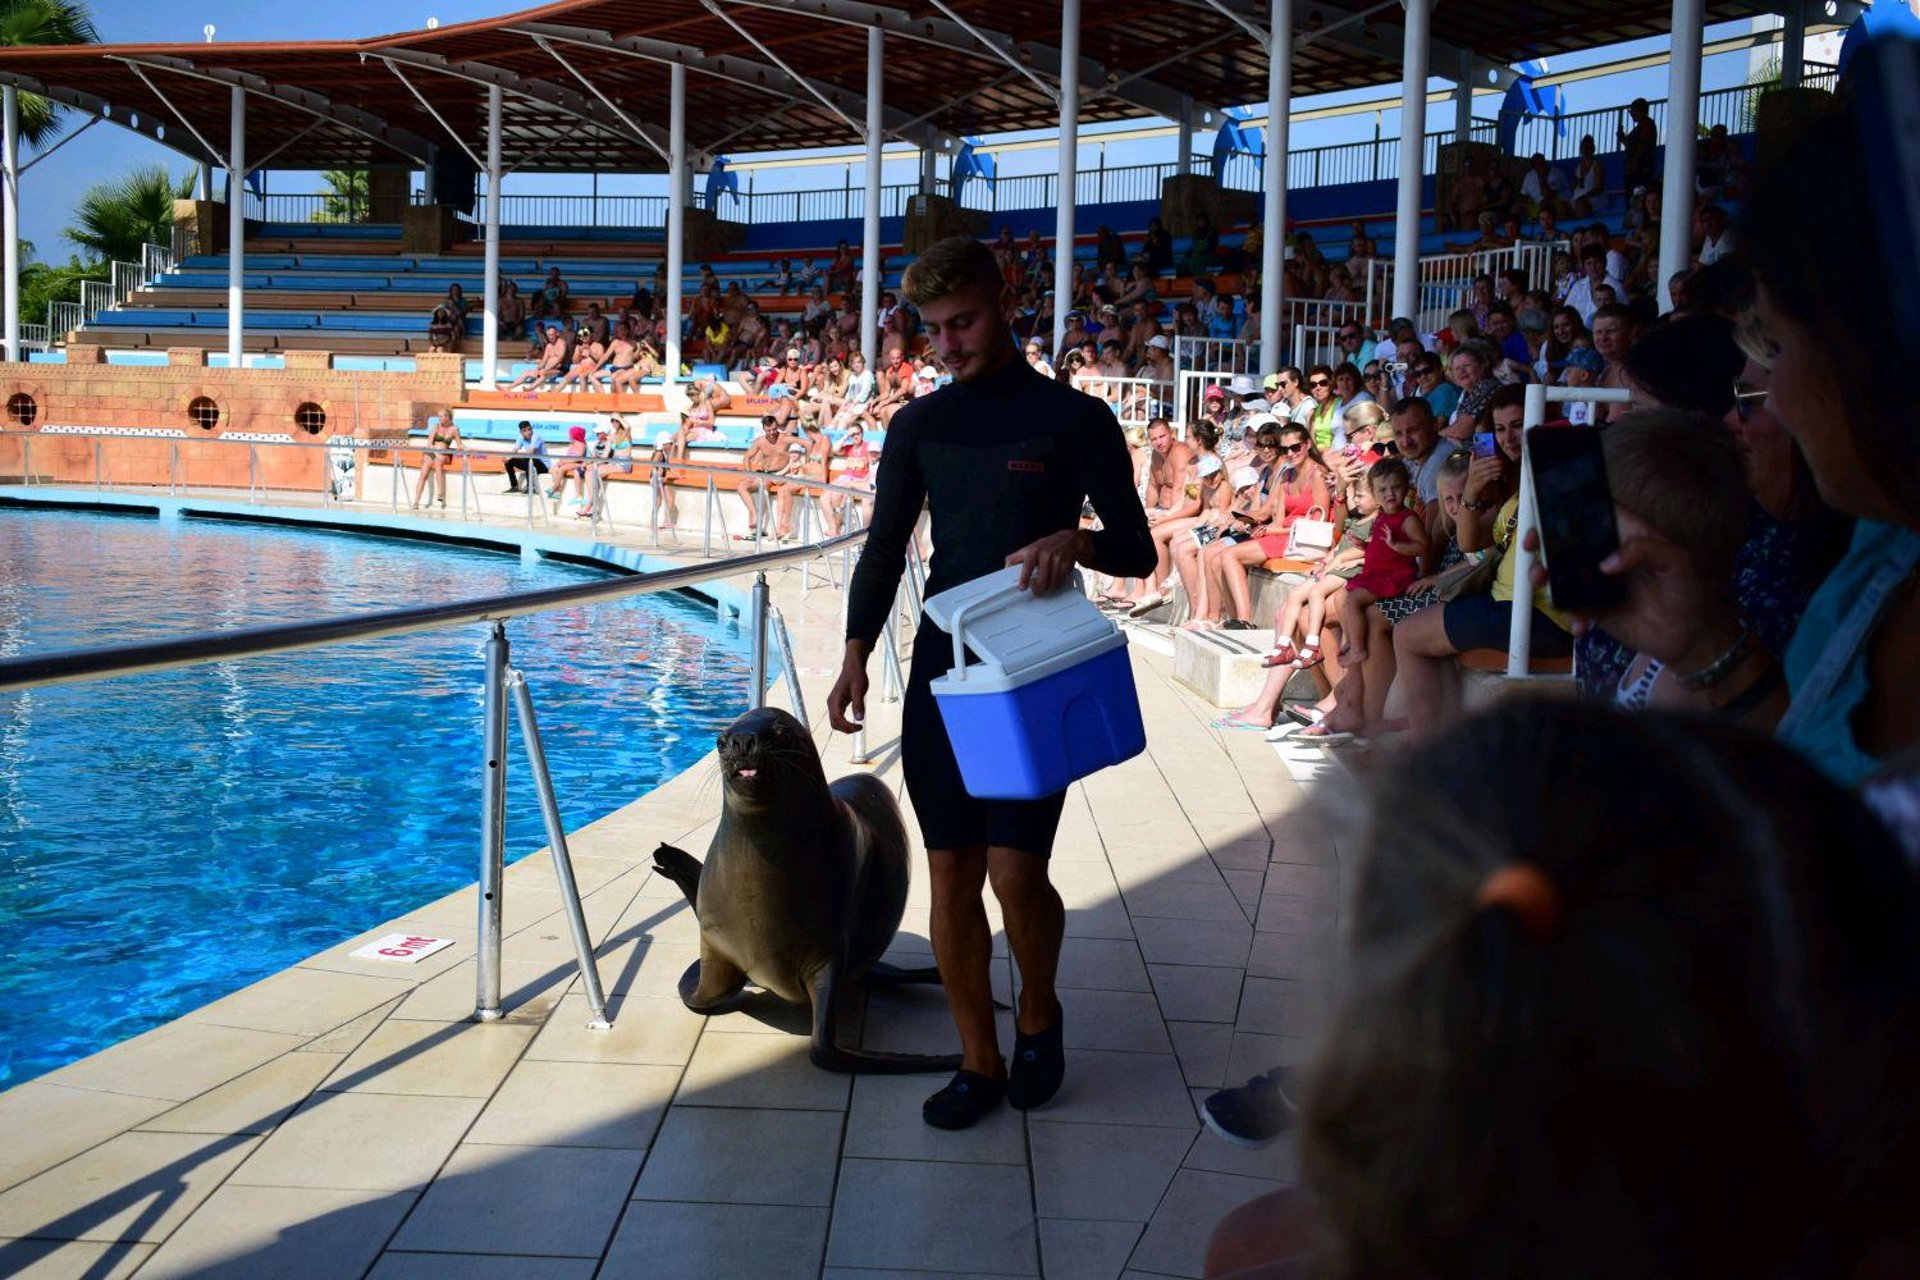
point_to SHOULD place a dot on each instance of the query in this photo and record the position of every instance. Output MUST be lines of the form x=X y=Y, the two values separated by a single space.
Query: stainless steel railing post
x=757 y=655
x=557 y=845
x=466 y=483
x=706 y=533
x=173 y=467
x=493 y=828
x=790 y=667
x=532 y=480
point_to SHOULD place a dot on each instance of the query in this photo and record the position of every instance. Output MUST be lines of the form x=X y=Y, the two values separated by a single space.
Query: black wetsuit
x=1000 y=463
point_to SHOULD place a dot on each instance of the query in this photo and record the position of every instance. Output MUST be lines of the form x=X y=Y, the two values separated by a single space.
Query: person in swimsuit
x=441 y=434
x=1302 y=489
x=553 y=359
x=620 y=356
x=588 y=356
x=808 y=458
x=669 y=448
x=619 y=462
x=1004 y=460
x=856 y=472
x=570 y=468
x=765 y=457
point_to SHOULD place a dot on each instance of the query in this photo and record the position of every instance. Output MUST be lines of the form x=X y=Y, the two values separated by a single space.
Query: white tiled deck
x=345 y=1119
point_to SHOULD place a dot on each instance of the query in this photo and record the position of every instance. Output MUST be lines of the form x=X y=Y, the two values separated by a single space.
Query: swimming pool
x=168 y=838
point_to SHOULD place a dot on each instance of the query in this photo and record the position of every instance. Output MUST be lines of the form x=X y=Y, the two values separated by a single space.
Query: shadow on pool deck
x=341 y=1122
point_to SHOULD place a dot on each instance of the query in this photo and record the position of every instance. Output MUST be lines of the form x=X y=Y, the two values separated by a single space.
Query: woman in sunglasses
x=1299 y=486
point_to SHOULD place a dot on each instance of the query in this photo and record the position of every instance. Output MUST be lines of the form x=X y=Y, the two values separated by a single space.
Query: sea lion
x=803 y=887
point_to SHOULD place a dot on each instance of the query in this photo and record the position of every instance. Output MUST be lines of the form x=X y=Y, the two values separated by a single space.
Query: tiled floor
x=345 y=1119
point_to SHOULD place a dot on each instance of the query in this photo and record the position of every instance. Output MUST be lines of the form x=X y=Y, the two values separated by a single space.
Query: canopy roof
x=586 y=81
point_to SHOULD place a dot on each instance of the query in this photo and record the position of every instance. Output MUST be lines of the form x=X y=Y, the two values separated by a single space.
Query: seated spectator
x=571 y=469
x=443 y=331
x=1680 y=483
x=1544 y=189
x=510 y=312
x=1426 y=643
x=1430 y=384
x=1594 y=276
x=1355 y=703
x=1189 y=547
x=1262 y=529
x=1203 y=249
x=1108 y=249
x=1204 y=497
x=809 y=458
x=1589 y=180
x=1471 y=365
x=529 y=459
x=456 y=302
x=1156 y=251
x=552 y=364
x=1584 y=368
x=617 y=462
x=1566 y=333
x=1569 y=991
x=588 y=356
x=841 y=270
x=1349 y=387
x=1324 y=418
x=551 y=304
x=1717 y=167
x=1716 y=235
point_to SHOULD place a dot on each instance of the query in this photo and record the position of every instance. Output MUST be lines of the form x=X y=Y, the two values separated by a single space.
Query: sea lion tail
x=682 y=868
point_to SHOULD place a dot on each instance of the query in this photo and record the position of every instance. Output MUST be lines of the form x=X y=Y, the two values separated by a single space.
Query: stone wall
x=86 y=392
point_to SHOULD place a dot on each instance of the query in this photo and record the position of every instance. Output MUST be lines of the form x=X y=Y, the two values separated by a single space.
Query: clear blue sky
x=50 y=191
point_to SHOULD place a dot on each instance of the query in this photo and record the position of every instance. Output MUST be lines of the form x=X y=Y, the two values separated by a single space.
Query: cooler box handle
x=983 y=605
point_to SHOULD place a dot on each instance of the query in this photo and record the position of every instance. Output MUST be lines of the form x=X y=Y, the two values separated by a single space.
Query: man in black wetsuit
x=1004 y=459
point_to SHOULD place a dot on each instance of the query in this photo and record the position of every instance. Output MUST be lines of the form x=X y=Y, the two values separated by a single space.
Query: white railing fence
x=1134 y=401
x=1317 y=344
x=1189 y=395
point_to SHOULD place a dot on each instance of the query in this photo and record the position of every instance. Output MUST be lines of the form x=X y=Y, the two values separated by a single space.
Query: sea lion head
x=767 y=758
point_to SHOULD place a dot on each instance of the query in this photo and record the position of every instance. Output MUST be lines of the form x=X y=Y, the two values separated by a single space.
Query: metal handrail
x=72 y=666
x=76 y=665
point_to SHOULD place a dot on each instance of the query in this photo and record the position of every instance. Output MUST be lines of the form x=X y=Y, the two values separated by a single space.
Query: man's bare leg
x=963 y=949
x=1036 y=921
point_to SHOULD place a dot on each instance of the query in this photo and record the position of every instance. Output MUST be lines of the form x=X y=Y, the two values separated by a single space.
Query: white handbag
x=1311 y=539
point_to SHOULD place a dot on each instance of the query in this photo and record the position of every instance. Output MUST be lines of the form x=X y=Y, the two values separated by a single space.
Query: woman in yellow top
x=1426 y=643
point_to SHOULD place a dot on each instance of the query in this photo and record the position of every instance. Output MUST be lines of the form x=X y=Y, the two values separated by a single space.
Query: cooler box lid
x=1014 y=632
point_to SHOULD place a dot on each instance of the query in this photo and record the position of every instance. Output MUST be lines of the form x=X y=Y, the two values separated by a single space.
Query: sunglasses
x=1293 y=448
x=1267 y=447
x=1317 y=382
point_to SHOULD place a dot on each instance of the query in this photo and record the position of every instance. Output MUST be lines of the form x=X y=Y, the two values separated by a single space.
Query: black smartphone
x=1577 y=529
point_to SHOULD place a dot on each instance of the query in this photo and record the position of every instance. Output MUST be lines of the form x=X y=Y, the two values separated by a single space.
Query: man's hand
x=849 y=691
x=1048 y=564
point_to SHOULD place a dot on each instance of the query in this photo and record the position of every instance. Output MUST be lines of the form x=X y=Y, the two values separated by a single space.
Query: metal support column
x=493 y=827
x=1413 y=130
x=1069 y=157
x=236 y=225
x=676 y=217
x=10 y=215
x=1183 y=161
x=1463 y=99
x=870 y=265
x=757 y=655
x=490 y=309
x=1793 y=45
x=929 y=170
x=1683 y=108
x=206 y=182
x=1274 y=183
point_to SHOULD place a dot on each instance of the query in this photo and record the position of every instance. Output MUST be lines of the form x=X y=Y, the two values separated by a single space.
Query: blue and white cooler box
x=1050 y=698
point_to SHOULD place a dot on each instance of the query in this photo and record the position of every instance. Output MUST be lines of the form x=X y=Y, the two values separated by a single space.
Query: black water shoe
x=967 y=1097
x=1039 y=1065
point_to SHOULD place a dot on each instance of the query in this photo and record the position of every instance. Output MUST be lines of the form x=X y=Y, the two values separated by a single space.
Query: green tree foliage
x=115 y=218
x=347 y=194
x=42 y=283
x=27 y=23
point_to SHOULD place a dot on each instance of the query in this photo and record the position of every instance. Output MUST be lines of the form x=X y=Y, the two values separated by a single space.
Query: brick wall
x=87 y=392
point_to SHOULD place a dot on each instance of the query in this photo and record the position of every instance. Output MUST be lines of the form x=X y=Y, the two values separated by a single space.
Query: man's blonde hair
x=951 y=266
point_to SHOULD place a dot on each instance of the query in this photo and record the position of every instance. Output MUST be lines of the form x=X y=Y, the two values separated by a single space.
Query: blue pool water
x=168 y=838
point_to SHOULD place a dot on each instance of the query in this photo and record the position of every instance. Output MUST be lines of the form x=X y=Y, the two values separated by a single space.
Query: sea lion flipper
x=680 y=867
x=710 y=982
x=883 y=974
x=828 y=1055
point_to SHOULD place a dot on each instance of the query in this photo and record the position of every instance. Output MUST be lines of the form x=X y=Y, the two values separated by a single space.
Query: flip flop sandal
x=1305 y=715
x=1324 y=736
x=1231 y=722
x=1147 y=605
x=1237 y=624
x=1283 y=655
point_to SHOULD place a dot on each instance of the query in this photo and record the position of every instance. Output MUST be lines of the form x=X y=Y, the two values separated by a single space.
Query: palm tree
x=115 y=218
x=25 y=23
x=347 y=192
